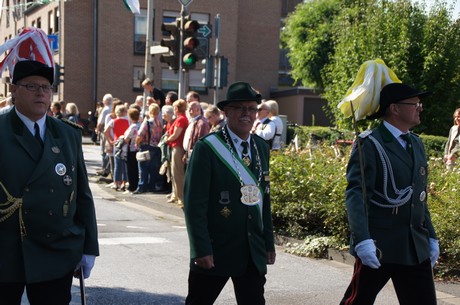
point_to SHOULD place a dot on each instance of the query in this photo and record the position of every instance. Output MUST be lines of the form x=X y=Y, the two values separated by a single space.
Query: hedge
x=308 y=193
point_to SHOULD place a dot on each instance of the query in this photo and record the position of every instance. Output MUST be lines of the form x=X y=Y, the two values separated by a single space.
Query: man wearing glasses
x=227 y=206
x=392 y=236
x=47 y=217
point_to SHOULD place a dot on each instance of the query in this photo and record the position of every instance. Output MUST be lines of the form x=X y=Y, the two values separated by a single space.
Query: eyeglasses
x=36 y=87
x=417 y=105
x=242 y=109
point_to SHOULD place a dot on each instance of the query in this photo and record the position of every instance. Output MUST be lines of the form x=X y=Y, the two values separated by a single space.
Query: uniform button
x=412 y=205
x=51 y=190
x=249 y=234
x=48 y=235
x=50 y=213
x=250 y=216
x=26 y=189
x=26 y=211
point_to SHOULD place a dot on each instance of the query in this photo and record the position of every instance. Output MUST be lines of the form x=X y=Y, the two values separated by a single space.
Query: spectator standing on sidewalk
x=273 y=116
x=106 y=110
x=392 y=236
x=198 y=127
x=130 y=139
x=149 y=136
x=175 y=140
x=263 y=126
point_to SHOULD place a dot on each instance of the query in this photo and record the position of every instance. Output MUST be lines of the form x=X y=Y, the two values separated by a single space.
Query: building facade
x=101 y=45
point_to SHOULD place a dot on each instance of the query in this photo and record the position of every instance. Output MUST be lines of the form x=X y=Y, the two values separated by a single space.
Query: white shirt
x=396 y=133
x=278 y=132
x=237 y=143
x=265 y=131
x=30 y=124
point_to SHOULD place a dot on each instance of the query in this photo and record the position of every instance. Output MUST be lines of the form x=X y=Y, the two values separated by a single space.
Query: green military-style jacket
x=55 y=207
x=402 y=234
x=218 y=223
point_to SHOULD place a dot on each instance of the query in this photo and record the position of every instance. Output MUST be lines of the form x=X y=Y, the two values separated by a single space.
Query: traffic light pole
x=181 y=91
x=148 y=43
x=217 y=57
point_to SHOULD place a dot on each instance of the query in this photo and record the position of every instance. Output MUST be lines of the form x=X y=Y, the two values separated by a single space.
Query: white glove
x=434 y=251
x=367 y=252
x=87 y=264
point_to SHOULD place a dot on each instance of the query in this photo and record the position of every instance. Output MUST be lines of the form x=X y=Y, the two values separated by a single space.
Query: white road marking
x=132 y=240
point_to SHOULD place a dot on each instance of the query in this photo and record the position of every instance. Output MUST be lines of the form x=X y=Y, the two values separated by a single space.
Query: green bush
x=308 y=197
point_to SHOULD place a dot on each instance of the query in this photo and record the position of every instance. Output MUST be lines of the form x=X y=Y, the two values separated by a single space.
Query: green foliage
x=308 y=36
x=313 y=246
x=329 y=40
x=308 y=201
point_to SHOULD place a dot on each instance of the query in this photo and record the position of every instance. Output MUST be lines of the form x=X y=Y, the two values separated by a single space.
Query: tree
x=419 y=47
x=307 y=35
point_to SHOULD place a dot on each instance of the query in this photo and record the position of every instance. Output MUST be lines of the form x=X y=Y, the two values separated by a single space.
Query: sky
x=456 y=12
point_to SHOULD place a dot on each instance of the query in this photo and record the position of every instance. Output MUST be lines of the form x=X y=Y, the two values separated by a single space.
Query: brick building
x=101 y=44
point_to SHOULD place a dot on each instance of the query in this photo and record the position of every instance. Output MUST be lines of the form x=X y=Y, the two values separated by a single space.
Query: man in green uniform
x=392 y=236
x=47 y=217
x=227 y=206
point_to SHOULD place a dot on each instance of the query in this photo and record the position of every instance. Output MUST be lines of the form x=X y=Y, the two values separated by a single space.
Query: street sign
x=158 y=50
x=185 y=2
x=205 y=30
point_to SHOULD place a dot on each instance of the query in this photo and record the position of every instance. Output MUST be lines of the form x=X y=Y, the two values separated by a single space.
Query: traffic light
x=223 y=73
x=191 y=42
x=58 y=74
x=172 y=43
x=208 y=72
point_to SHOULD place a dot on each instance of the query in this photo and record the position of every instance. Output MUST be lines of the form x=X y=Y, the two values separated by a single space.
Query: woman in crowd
x=212 y=114
x=118 y=126
x=108 y=147
x=452 y=145
x=175 y=141
x=148 y=138
x=72 y=113
x=130 y=139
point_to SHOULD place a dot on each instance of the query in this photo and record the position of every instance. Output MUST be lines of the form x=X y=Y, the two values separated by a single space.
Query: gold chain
x=15 y=204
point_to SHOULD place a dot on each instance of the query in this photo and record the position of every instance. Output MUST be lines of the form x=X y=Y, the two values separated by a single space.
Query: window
x=195 y=83
x=56 y=20
x=140 y=32
x=50 y=22
x=169 y=80
x=39 y=23
x=138 y=77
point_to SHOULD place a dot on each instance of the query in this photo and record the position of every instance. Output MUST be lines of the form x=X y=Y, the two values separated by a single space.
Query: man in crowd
x=106 y=110
x=263 y=126
x=227 y=206
x=198 y=127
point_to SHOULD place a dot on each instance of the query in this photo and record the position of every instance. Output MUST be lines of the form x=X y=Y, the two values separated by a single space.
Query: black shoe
x=138 y=192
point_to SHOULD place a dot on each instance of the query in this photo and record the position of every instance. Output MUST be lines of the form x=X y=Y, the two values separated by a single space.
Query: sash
x=221 y=149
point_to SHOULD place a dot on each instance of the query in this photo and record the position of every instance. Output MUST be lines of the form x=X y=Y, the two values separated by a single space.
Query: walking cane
x=82 y=286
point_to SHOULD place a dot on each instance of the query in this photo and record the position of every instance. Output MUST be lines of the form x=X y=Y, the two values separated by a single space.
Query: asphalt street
x=144 y=258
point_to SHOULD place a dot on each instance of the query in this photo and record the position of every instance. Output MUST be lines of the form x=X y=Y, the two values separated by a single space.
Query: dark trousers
x=133 y=171
x=55 y=292
x=413 y=284
x=204 y=289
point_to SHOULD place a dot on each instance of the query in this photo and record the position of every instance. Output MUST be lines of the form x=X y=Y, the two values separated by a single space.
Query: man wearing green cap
x=227 y=206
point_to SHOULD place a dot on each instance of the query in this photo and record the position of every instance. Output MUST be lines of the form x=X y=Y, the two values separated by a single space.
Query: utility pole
x=217 y=56
x=181 y=91
x=148 y=40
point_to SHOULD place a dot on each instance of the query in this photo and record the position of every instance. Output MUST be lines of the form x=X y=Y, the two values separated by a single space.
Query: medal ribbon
x=245 y=176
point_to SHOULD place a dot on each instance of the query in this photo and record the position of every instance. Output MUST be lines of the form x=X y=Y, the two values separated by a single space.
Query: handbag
x=143 y=156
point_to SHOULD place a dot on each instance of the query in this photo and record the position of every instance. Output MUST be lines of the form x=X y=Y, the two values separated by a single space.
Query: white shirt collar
x=30 y=124
x=237 y=141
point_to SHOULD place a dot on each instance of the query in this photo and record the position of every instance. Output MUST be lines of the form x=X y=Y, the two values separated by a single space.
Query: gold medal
x=225 y=212
x=246 y=161
x=250 y=194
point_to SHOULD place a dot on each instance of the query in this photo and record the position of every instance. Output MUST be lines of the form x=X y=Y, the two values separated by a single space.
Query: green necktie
x=406 y=137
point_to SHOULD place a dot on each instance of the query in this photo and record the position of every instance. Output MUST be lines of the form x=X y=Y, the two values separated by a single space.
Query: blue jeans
x=149 y=176
x=120 y=171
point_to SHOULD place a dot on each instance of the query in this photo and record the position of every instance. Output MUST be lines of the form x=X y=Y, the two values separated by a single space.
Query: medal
x=60 y=169
x=225 y=212
x=246 y=160
x=67 y=180
x=422 y=196
x=250 y=195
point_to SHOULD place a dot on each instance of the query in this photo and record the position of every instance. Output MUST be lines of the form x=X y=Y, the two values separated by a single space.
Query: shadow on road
x=123 y=296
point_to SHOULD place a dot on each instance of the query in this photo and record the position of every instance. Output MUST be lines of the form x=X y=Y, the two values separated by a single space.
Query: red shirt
x=119 y=127
x=182 y=122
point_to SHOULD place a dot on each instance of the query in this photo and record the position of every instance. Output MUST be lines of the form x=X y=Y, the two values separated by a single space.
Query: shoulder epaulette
x=75 y=125
x=365 y=133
